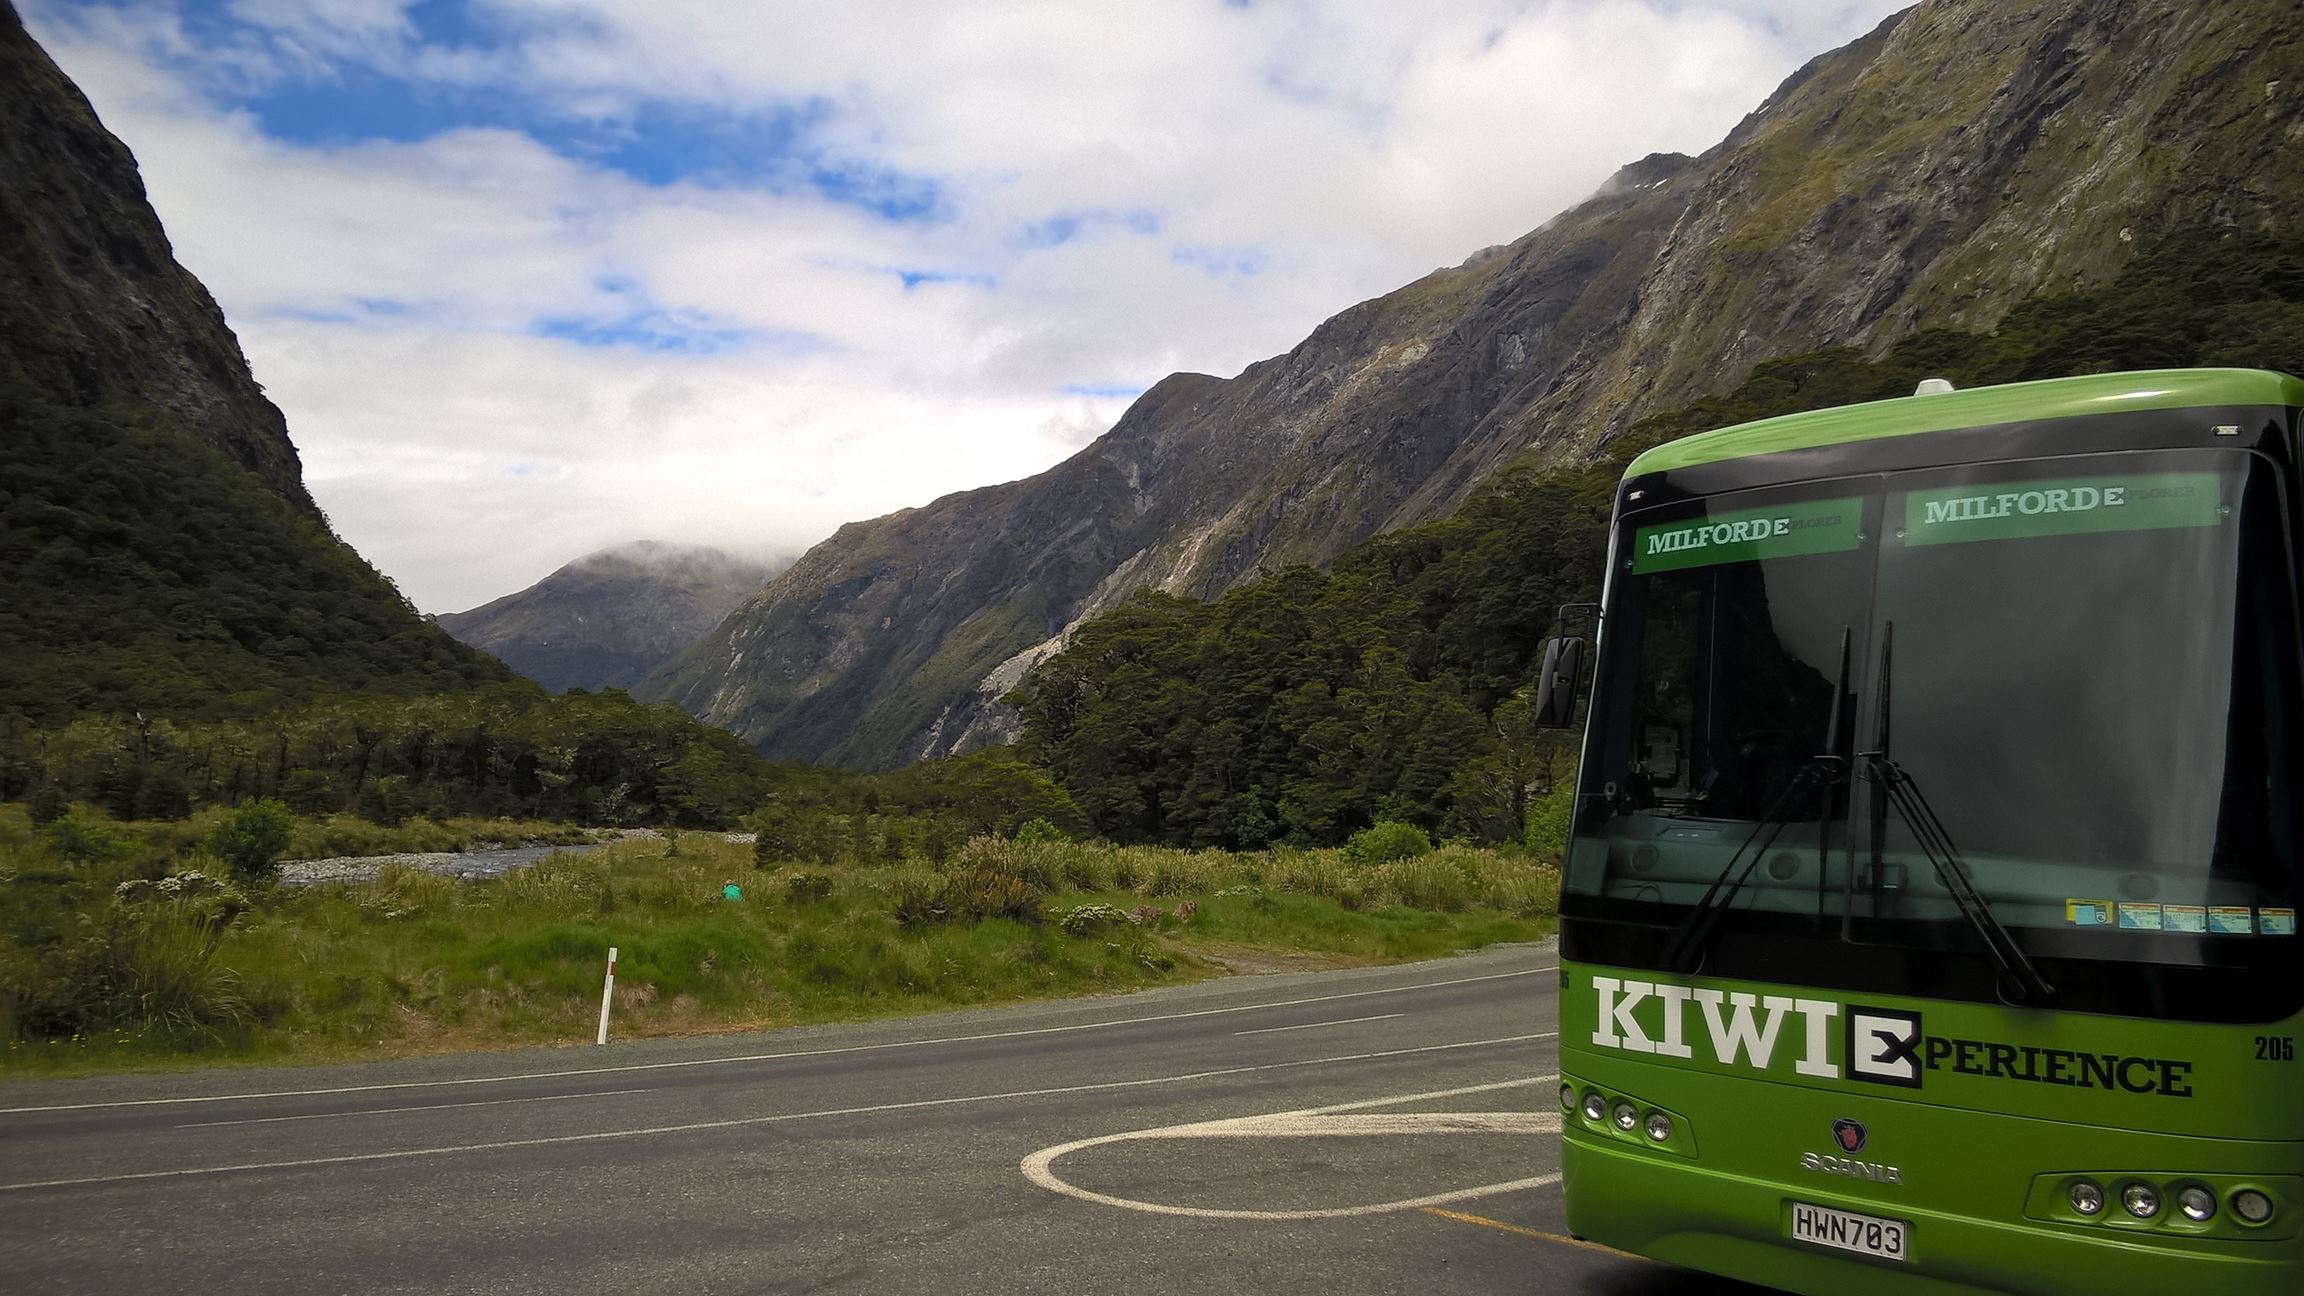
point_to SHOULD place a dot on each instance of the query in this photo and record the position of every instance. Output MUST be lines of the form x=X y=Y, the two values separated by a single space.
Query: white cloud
x=1232 y=175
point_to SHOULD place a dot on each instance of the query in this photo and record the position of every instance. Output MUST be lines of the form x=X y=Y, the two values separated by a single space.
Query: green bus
x=1929 y=914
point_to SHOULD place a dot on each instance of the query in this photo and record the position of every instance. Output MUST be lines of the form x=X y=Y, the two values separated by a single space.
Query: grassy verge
x=173 y=972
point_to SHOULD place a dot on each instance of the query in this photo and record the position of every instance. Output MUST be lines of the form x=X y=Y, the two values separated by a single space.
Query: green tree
x=1036 y=830
x=251 y=838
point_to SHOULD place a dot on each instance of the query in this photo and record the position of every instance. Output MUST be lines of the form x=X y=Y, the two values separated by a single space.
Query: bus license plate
x=1848 y=1231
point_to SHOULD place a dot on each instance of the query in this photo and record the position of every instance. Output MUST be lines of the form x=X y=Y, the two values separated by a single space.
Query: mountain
x=96 y=309
x=1395 y=683
x=158 y=550
x=1963 y=157
x=609 y=618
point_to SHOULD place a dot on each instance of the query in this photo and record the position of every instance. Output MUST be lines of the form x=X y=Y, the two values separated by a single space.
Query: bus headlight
x=2197 y=1203
x=1567 y=1097
x=2141 y=1200
x=2251 y=1206
x=1595 y=1107
x=1627 y=1118
x=2087 y=1198
x=1659 y=1127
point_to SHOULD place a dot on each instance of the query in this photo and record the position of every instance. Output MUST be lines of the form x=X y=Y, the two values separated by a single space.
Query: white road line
x=1294 y=1125
x=1319 y=1122
x=393 y=1111
x=773 y=1057
x=1274 y=1030
x=411 y=1153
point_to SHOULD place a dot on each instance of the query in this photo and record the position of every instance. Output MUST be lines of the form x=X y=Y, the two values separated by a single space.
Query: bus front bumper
x=1674 y=1210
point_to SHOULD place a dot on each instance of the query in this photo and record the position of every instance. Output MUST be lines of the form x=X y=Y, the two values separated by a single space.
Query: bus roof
x=2052 y=398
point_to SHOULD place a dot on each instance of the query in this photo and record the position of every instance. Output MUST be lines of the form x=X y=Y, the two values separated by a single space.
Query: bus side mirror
x=1556 y=684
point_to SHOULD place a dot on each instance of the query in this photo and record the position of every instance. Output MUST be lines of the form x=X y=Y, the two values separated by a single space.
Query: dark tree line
x=596 y=758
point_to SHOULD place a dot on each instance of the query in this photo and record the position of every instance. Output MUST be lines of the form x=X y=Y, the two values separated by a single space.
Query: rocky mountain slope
x=607 y=619
x=1964 y=156
x=159 y=555
x=93 y=306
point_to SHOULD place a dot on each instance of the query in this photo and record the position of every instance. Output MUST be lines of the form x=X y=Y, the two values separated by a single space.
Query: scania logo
x=1849 y=1134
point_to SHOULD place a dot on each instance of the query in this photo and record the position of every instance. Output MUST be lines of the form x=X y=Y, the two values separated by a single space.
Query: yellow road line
x=1524 y=1231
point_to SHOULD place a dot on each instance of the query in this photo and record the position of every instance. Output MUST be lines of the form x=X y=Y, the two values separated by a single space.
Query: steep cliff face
x=158 y=552
x=607 y=619
x=1964 y=156
x=94 y=308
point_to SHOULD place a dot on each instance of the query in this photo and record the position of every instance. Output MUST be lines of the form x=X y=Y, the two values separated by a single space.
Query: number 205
x=2275 y=1048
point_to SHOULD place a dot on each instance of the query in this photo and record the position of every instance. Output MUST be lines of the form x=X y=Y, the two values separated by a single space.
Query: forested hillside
x=142 y=572
x=178 y=625
x=1393 y=685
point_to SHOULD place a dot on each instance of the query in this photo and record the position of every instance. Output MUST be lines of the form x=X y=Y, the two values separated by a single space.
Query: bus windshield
x=2082 y=669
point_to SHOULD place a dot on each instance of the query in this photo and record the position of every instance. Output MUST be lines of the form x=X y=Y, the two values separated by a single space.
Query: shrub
x=969 y=893
x=916 y=897
x=807 y=888
x=1385 y=841
x=1427 y=884
x=1309 y=873
x=86 y=841
x=207 y=900
x=46 y=804
x=1548 y=819
x=775 y=836
x=1088 y=919
x=147 y=964
x=1082 y=867
x=562 y=885
x=1036 y=830
x=1127 y=871
x=1174 y=873
x=972 y=895
x=1527 y=893
x=400 y=891
x=251 y=839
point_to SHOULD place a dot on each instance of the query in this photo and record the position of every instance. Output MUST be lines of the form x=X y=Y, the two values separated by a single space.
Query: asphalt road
x=1377 y=1130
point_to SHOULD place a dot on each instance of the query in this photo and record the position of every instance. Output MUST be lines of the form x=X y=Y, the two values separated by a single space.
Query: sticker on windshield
x=2232 y=920
x=2088 y=913
x=2192 y=919
x=1785 y=531
x=2081 y=505
x=2139 y=917
x=2276 y=922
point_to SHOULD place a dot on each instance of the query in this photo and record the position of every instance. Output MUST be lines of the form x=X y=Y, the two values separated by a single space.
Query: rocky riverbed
x=481 y=860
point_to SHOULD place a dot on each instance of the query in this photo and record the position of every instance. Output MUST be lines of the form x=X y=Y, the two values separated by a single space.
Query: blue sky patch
x=1224 y=262
x=1106 y=391
x=451 y=22
x=662 y=333
x=1065 y=227
x=771 y=147
x=914 y=278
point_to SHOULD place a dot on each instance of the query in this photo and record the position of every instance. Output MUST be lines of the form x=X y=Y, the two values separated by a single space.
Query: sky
x=532 y=278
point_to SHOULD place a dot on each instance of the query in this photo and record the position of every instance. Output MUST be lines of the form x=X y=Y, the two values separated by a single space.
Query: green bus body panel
x=1977 y=1118
x=2053 y=398
x=1982 y=1156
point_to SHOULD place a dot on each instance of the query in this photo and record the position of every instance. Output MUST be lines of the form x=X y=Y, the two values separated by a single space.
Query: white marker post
x=607 y=995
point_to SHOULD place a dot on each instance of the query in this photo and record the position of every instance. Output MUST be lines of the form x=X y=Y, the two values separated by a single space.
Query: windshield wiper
x=1900 y=792
x=1684 y=950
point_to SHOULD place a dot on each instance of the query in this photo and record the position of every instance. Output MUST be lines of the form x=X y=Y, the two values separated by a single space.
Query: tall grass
x=414 y=961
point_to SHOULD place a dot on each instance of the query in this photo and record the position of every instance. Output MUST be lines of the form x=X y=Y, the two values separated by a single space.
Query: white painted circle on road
x=1318 y=1122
